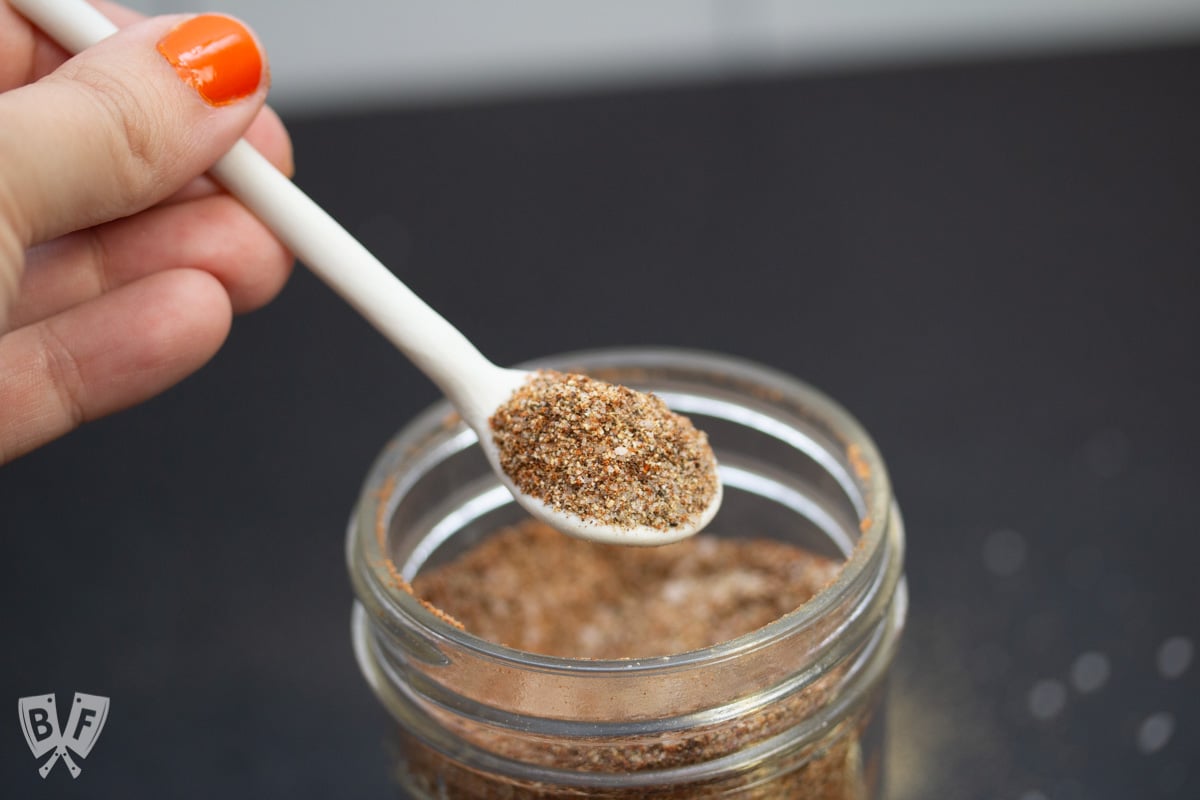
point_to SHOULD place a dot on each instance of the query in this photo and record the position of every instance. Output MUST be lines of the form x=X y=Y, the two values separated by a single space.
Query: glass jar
x=791 y=710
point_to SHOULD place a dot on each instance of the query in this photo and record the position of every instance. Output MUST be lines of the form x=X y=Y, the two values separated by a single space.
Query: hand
x=120 y=265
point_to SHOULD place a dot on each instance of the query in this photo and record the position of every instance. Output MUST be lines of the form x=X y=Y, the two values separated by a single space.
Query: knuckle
x=262 y=276
x=14 y=236
x=100 y=259
x=250 y=262
x=132 y=133
x=64 y=375
x=12 y=260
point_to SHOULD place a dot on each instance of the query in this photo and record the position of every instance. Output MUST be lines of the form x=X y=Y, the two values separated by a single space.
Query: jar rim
x=373 y=572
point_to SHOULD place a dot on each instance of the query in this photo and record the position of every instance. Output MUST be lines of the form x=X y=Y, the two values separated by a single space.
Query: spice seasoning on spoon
x=604 y=452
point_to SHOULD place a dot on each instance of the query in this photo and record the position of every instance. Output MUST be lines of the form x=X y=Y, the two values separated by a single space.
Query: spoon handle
x=436 y=347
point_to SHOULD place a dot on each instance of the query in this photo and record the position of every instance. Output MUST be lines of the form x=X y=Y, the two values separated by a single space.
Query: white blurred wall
x=356 y=52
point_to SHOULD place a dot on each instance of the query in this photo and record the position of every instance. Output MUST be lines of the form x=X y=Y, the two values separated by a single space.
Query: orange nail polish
x=216 y=56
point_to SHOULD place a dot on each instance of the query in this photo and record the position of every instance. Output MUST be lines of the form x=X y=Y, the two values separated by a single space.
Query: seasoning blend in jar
x=748 y=662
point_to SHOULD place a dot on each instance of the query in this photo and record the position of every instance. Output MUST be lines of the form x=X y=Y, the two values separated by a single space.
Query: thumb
x=126 y=123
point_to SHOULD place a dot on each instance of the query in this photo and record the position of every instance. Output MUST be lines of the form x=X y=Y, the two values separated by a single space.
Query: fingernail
x=215 y=55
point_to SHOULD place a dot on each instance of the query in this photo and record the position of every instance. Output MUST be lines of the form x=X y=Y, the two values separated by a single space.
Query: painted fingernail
x=215 y=55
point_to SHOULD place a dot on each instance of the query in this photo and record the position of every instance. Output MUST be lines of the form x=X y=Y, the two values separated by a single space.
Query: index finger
x=29 y=55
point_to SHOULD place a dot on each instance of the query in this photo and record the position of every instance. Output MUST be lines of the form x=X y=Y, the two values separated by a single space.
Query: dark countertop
x=992 y=265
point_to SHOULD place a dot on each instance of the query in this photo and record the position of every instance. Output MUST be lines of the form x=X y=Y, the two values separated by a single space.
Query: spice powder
x=604 y=452
x=531 y=588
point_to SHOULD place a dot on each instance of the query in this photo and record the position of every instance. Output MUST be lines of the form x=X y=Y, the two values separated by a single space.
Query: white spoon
x=475 y=386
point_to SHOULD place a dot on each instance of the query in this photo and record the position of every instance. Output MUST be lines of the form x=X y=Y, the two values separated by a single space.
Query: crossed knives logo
x=39 y=723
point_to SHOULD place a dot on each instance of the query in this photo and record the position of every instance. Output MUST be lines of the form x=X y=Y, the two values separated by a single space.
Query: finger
x=106 y=355
x=29 y=54
x=215 y=234
x=268 y=135
x=115 y=129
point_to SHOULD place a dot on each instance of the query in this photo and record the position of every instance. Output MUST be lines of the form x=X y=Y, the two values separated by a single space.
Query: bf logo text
x=39 y=723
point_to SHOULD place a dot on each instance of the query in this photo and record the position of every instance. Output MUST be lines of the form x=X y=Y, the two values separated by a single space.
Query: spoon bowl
x=496 y=389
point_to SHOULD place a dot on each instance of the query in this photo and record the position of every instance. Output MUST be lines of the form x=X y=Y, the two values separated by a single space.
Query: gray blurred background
x=355 y=53
x=974 y=224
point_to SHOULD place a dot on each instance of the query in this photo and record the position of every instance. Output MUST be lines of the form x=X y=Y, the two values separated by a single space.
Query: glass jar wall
x=790 y=710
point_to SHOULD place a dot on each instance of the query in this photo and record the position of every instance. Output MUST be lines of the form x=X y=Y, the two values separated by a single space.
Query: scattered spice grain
x=604 y=452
